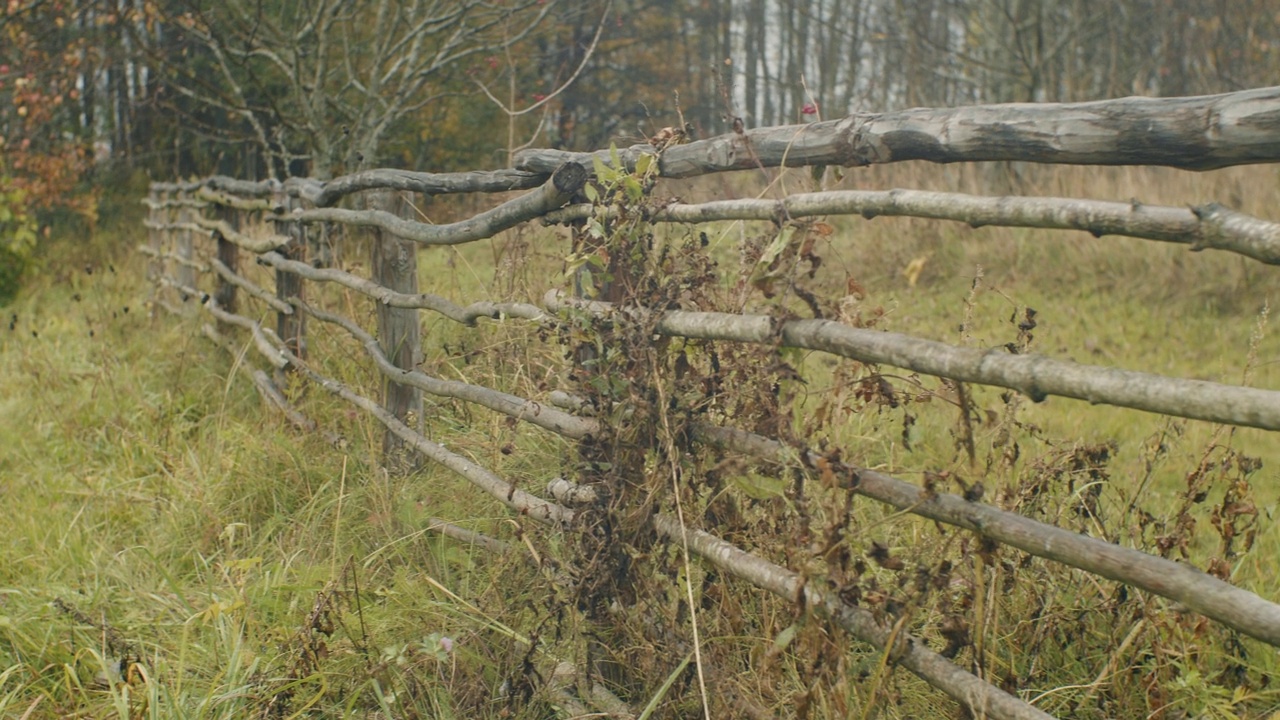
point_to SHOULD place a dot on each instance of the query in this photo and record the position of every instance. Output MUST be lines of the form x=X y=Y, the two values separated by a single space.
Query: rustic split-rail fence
x=201 y=232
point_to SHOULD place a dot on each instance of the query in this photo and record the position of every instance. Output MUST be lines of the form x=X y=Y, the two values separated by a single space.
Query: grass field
x=173 y=549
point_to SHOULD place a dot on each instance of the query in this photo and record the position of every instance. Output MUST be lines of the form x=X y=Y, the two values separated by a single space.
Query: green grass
x=158 y=514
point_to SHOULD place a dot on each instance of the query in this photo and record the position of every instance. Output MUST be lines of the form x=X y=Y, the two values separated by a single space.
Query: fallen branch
x=1035 y=376
x=470 y=537
x=570 y=493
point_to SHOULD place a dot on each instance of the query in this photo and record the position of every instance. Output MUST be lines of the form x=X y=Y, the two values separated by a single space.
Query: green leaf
x=760 y=487
x=595 y=229
x=631 y=186
x=643 y=164
x=785 y=637
x=602 y=170
x=593 y=195
x=656 y=700
x=776 y=247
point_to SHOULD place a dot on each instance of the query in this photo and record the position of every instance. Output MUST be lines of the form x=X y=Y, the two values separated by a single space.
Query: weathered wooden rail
x=1191 y=133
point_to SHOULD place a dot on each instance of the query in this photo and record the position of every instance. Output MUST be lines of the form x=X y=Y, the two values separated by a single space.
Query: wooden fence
x=602 y=195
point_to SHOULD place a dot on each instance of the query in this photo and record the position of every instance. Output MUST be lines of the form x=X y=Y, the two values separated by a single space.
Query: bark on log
x=1035 y=376
x=1192 y=133
x=1210 y=226
x=153 y=204
x=185 y=250
x=255 y=195
x=248 y=242
x=980 y=697
x=249 y=188
x=225 y=199
x=466 y=315
x=564 y=183
x=426 y=183
x=543 y=416
x=174 y=226
x=468 y=537
x=522 y=502
x=253 y=289
x=291 y=327
x=267 y=343
x=571 y=494
x=270 y=392
x=976 y=694
x=228 y=256
x=394 y=264
x=1234 y=607
x=174 y=257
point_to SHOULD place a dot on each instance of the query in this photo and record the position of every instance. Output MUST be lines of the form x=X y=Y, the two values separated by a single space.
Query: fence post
x=291 y=327
x=395 y=265
x=185 y=273
x=155 y=266
x=229 y=255
x=156 y=215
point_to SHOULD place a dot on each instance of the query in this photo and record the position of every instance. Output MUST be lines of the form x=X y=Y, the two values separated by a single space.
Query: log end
x=569 y=178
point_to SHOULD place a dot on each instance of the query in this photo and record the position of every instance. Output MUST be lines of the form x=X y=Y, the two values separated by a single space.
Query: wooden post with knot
x=395 y=265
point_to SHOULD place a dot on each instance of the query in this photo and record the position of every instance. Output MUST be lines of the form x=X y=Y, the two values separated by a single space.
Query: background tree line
x=260 y=88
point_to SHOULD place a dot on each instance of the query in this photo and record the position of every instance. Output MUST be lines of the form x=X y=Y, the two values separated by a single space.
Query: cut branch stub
x=569 y=178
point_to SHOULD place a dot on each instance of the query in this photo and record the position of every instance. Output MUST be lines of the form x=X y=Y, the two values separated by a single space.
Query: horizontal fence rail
x=1193 y=133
